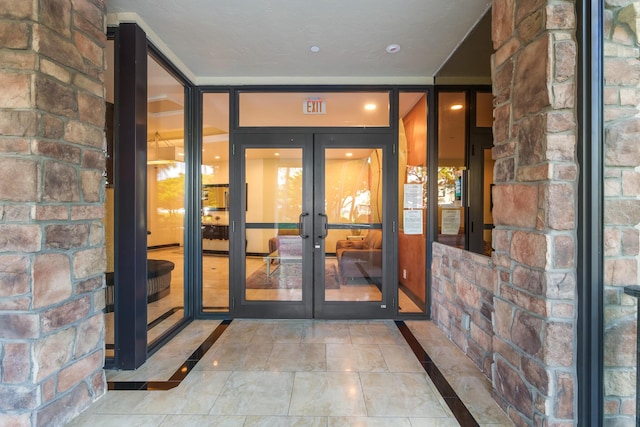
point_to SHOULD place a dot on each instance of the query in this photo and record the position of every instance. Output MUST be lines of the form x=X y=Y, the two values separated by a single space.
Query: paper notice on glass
x=450 y=221
x=413 y=196
x=412 y=222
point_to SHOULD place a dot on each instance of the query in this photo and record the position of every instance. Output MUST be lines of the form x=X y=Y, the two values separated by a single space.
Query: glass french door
x=315 y=224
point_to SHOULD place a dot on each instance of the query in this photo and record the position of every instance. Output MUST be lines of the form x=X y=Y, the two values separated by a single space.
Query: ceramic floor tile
x=301 y=373
x=253 y=421
x=327 y=394
x=297 y=358
x=368 y=422
x=288 y=332
x=156 y=370
x=326 y=332
x=400 y=358
x=401 y=394
x=375 y=333
x=240 y=331
x=162 y=364
x=118 y=402
x=203 y=421
x=434 y=422
x=234 y=356
x=115 y=420
x=195 y=395
x=255 y=393
x=472 y=387
x=355 y=358
x=477 y=398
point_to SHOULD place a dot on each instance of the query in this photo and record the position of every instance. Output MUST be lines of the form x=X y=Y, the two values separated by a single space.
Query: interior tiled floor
x=299 y=373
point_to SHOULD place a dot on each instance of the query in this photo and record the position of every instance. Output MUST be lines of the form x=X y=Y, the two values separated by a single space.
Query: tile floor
x=215 y=292
x=299 y=373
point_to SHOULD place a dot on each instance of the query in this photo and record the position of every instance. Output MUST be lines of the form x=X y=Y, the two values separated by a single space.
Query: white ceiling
x=268 y=41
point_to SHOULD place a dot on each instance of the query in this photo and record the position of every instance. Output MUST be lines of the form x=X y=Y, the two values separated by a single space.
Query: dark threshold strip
x=151 y=325
x=460 y=411
x=163 y=317
x=179 y=374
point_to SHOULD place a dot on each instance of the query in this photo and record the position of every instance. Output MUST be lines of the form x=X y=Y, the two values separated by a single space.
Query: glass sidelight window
x=412 y=202
x=465 y=169
x=480 y=175
x=165 y=200
x=145 y=209
x=215 y=207
x=452 y=142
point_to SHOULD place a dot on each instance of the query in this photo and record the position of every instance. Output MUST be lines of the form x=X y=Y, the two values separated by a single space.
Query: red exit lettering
x=314 y=106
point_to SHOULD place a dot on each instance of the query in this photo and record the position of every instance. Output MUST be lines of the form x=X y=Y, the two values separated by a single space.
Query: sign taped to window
x=412 y=222
x=450 y=221
x=413 y=196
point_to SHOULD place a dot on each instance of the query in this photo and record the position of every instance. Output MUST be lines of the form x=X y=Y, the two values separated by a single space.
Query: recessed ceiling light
x=349 y=154
x=276 y=154
x=217 y=157
x=393 y=48
x=370 y=107
x=456 y=107
x=315 y=49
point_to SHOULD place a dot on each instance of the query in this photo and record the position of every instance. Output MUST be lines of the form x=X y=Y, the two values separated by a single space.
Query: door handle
x=325 y=221
x=301 y=225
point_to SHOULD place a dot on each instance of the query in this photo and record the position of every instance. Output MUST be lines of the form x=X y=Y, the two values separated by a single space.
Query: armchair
x=288 y=242
x=360 y=259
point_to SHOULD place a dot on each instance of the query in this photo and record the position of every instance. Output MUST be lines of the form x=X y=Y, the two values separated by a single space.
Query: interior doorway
x=316 y=219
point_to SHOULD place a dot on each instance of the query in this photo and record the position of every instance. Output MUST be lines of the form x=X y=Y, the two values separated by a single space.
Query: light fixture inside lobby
x=456 y=107
x=370 y=107
x=161 y=152
x=393 y=48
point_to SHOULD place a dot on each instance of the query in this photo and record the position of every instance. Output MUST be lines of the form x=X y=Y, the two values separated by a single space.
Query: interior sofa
x=360 y=259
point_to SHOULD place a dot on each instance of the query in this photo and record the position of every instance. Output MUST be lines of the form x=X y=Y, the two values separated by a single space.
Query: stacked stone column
x=621 y=207
x=535 y=197
x=52 y=256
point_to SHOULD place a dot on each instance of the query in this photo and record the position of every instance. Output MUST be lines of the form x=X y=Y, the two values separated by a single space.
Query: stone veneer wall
x=535 y=194
x=462 y=293
x=622 y=207
x=52 y=256
x=535 y=201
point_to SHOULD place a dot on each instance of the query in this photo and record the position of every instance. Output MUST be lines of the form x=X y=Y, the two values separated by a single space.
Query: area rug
x=289 y=276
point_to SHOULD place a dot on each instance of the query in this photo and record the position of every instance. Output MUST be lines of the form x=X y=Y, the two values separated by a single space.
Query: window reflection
x=215 y=202
x=165 y=200
x=452 y=137
x=412 y=202
x=317 y=109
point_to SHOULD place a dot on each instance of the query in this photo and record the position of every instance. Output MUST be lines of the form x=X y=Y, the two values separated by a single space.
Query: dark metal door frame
x=313 y=188
x=475 y=181
x=374 y=309
x=240 y=307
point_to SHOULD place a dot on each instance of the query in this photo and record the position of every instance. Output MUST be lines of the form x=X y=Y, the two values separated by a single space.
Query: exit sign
x=314 y=106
